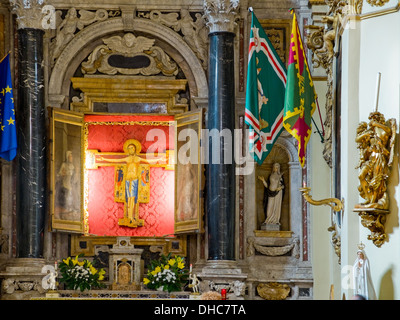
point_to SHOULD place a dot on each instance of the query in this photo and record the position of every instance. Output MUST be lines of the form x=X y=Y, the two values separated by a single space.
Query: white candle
x=55 y=265
x=190 y=269
x=378 y=83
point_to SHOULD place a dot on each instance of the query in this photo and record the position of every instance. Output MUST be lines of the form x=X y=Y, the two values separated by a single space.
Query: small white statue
x=362 y=275
x=52 y=280
x=195 y=282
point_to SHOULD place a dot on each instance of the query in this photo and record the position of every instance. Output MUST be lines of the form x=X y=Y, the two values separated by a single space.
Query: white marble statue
x=273 y=195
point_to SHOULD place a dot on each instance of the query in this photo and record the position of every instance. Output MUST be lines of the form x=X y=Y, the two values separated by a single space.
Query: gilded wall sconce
x=375 y=142
x=337 y=206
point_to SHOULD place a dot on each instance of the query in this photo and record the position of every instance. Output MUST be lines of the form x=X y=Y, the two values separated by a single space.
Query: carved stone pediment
x=129 y=55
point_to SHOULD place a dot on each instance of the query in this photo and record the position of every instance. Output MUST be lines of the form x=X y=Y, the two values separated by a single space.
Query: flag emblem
x=8 y=133
x=300 y=97
x=265 y=93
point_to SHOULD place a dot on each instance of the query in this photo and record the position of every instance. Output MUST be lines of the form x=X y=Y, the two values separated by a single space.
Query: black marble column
x=220 y=203
x=31 y=135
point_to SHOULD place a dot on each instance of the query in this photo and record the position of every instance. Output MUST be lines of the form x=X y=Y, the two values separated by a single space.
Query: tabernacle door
x=188 y=173
x=66 y=179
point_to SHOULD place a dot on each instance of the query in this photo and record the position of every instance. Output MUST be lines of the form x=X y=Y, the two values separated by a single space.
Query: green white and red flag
x=300 y=94
x=265 y=93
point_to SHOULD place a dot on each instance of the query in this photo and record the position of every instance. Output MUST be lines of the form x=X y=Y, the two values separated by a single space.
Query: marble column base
x=22 y=279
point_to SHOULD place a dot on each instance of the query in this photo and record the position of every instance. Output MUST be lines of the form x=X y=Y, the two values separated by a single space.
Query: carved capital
x=221 y=14
x=29 y=13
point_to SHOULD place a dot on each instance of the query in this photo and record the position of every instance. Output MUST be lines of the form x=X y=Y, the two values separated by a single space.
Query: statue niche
x=272 y=191
x=272 y=201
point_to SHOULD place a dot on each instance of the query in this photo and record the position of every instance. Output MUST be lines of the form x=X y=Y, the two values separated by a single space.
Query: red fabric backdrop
x=103 y=212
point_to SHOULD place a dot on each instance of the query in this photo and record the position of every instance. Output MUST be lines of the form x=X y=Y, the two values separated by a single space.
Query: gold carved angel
x=376 y=144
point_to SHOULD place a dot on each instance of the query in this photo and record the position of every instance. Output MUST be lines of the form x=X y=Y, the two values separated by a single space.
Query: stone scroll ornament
x=152 y=59
x=375 y=141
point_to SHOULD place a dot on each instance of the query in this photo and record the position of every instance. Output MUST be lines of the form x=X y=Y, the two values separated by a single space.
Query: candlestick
x=378 y=83
x=223 y=294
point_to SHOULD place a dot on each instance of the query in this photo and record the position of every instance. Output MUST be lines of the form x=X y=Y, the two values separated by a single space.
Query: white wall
x=380 y=45
x=372 y=46
x=369 y=46
x=323 y=257
x=349 y=152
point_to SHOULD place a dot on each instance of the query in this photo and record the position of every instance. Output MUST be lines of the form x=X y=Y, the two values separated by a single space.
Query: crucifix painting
x=129 y=174
x=132 y=178
x=131 y=182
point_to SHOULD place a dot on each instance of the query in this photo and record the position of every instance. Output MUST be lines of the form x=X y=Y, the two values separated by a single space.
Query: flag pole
x=320 y=117
x=319 y=132
x=5 y=56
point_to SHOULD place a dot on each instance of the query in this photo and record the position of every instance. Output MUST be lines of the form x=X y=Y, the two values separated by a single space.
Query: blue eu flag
x=8 y=132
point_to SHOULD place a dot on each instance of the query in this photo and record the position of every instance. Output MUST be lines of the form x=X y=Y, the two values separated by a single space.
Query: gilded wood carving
x=273 y=291
x=375 y=141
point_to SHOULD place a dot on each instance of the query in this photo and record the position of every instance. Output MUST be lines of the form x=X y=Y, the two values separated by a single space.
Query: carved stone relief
x=193 y=31
x=152 y=60
x=66 y=28
x=234 y=288
x=76 y=51
x=272 y=248
x=189 y=25
x=11 y=285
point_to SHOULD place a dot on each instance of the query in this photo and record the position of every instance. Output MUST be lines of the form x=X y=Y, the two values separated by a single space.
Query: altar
x=116 y=295
x=128 y=94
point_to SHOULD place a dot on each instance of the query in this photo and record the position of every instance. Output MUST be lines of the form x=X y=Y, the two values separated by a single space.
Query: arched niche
x=284 y=152
x=87 y=39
